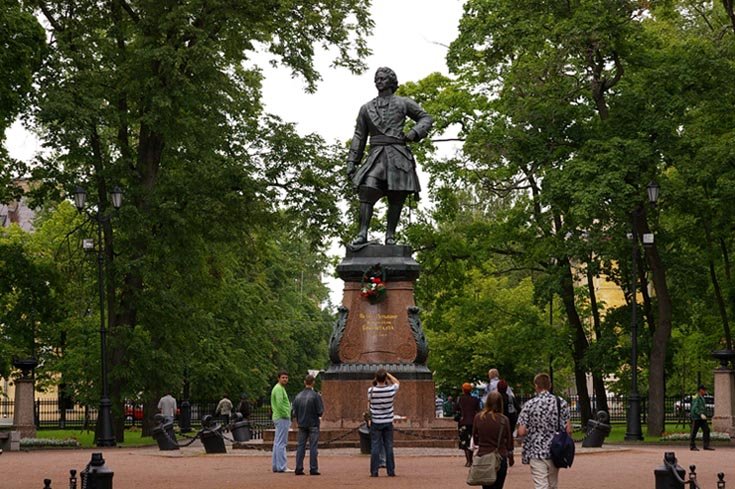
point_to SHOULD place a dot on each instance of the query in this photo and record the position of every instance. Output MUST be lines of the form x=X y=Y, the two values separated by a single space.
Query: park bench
x=10 y=441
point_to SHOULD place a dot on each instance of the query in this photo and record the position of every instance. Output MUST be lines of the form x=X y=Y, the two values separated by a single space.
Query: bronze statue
x=389 y=169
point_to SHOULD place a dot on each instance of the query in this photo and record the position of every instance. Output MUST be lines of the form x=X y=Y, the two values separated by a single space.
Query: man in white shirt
x=167 y=407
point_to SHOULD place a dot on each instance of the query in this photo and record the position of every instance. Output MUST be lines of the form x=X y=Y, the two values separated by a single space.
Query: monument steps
x=403 y=436
x=350 y=444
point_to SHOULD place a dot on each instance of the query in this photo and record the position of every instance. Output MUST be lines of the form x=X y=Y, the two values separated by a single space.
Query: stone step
x=417 y=443
x=399 y=434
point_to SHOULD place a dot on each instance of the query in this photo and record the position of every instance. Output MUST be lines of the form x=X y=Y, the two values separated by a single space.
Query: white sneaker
x=289 y=470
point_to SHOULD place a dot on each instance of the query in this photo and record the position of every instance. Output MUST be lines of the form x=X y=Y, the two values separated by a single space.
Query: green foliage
x=212 y=266
x=566 y=111
x=29 y=305
x=478 y=312
x=21 y=48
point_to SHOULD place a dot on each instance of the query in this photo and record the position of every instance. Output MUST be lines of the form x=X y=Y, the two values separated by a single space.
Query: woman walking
x=491 y=431
x=468 y=406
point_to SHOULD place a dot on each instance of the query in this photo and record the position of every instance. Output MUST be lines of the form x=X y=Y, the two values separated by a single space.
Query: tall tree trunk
x=661 y=336
x=150 y=152
x=580 y=344
x=728 y=4
x=716 y=286
x=598 y=383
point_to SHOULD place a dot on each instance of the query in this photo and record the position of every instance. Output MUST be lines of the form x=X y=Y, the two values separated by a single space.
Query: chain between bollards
x=671 y=476
x=341 y=437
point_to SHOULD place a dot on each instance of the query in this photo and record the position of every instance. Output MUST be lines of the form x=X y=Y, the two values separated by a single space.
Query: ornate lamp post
x=633 y=431
x=105 y=431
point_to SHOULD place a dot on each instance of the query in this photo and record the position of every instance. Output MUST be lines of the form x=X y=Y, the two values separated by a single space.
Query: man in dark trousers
x=699 y=420
x=307 y=409
x=381 y=398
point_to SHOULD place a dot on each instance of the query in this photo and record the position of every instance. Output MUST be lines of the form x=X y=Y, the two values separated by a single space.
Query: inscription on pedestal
x=381 y=325
x=378 y=333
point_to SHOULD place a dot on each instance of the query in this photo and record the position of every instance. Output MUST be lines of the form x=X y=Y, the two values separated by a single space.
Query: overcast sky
x=410 y=36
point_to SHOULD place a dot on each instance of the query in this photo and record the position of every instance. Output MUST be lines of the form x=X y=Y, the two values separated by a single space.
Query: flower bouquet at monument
x=372 y=286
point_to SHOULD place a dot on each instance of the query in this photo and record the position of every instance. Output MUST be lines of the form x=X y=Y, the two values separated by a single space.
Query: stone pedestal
x=723 y=420
x=369 y=336
x=23 y=408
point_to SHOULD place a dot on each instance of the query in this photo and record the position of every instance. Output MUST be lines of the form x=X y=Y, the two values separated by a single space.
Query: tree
x=163 y=99
x=22 y=41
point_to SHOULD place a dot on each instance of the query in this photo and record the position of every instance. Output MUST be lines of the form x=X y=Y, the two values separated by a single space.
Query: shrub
x=48 y=443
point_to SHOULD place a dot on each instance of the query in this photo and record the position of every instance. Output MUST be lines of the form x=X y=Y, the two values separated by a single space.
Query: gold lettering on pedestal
x=377 y=324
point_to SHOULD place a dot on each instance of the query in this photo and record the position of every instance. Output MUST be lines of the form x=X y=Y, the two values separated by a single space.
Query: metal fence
x=75 y=416
x=48 y=415
x=676 y=410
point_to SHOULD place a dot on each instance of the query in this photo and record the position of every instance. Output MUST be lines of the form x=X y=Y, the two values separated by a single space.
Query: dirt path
x=147 y=468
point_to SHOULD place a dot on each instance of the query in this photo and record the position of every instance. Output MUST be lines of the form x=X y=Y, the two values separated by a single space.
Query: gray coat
x=383 y=121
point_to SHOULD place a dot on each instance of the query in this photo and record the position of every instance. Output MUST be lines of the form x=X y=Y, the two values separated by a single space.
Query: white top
x=381 y=399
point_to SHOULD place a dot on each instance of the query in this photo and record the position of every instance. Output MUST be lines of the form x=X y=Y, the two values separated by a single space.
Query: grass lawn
x=617 y=435
x=85 y=438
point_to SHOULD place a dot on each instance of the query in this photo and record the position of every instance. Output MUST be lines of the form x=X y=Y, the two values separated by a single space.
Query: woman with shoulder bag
x=490 y=432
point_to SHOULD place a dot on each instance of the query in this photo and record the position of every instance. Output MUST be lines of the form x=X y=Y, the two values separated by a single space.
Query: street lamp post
x=104 y=432
x=634 y=431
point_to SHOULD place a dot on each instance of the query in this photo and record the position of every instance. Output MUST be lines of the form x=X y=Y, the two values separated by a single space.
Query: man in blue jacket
x=307 y=409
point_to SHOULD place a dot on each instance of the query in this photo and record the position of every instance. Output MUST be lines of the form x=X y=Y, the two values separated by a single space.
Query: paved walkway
x=614 y=467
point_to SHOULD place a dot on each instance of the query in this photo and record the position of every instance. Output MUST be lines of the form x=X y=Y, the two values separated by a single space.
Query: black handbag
x=562 y=445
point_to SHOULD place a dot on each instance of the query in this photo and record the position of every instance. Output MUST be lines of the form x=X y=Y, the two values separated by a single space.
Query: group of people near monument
x=486 y=428
x=490 y=424
x=307 y=409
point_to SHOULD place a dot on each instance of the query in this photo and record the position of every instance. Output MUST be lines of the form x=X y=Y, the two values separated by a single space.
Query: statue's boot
x=366 y=214
x=394 y=215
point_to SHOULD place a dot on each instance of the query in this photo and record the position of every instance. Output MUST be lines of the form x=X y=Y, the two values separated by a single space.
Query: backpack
x=562 y=445
x=512 y=404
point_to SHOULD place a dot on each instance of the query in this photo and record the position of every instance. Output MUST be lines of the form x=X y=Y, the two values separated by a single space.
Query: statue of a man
x=389 y=169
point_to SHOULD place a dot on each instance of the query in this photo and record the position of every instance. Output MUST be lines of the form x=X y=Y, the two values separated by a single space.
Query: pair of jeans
x=502 y=472
x=279 y=444
x=312 y=434
x=696 y=424
x=381 y=439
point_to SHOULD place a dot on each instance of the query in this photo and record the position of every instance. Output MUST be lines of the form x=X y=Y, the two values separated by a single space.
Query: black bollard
x=72 y=479
x=185 y=417
x=364 y=433
x=240 y=428
x=96 y=475
x=693 y=477
x=47 y=484
x=597 y=430
x=164 y=434
x=669 y=475
x=211 y=436
x=721 y=480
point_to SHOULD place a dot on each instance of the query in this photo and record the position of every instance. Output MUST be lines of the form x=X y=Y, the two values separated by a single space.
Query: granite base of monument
x=370 y=335
x=347 y=401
